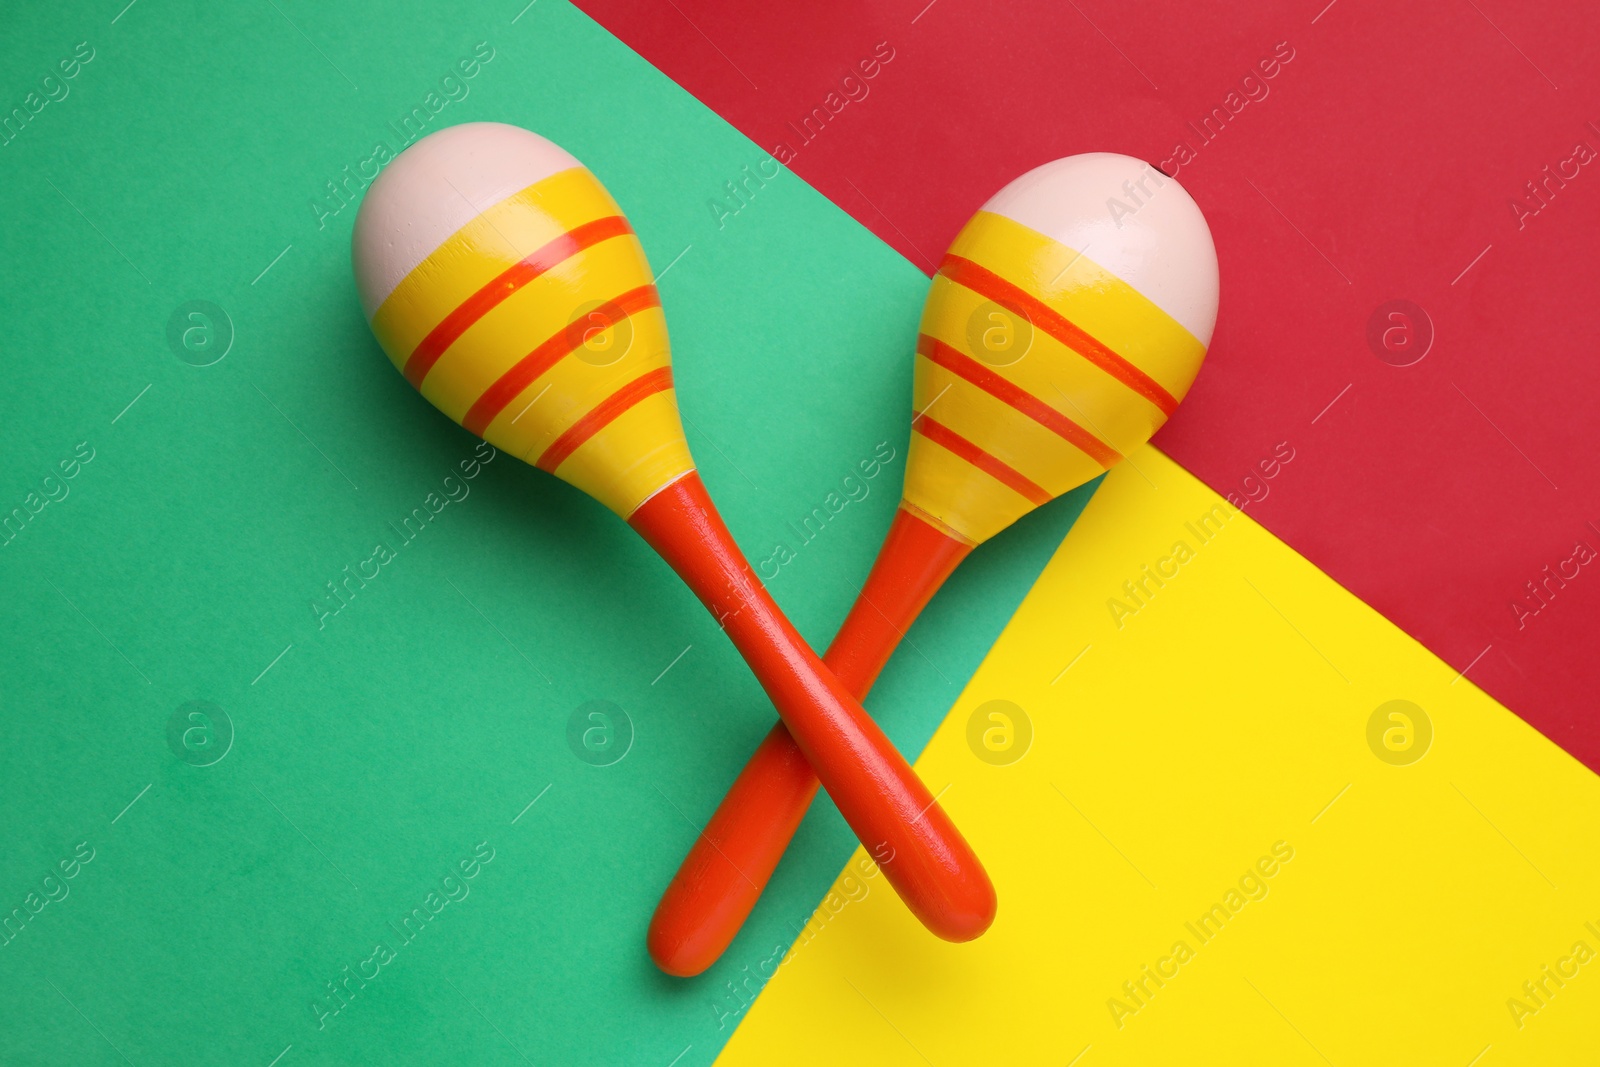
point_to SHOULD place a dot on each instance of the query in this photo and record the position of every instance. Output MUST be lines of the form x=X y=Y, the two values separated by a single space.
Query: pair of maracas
x=1060 y=332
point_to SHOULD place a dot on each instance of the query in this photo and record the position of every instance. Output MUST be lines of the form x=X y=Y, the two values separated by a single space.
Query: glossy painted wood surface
x=894 y=815
x=725 y=872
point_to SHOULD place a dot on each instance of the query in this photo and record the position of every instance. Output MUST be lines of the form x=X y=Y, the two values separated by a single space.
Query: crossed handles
x=917 y=847
x=913 y=841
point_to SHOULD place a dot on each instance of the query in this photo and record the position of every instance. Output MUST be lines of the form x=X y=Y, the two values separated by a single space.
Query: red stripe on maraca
x=483 y=301
x=1001 y=472
x=656 y=381
x=963 y=365
x=987 y=283
x=553 y=350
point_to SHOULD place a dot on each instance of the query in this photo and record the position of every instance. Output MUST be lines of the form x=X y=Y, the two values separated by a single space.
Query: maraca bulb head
x=506 y=285
x=1063 y=326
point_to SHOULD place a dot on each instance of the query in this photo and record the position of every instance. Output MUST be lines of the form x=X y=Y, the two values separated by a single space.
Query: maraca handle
x=730 y=863
x=917 y=847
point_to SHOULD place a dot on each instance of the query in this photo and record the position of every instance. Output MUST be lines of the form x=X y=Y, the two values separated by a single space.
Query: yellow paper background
x=1228 y=713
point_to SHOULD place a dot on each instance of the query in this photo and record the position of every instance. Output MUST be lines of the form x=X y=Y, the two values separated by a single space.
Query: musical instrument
x=1062 y=328
x=507 y=286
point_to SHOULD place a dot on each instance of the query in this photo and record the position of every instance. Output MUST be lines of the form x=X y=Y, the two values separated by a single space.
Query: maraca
x=1062 y=328
x=505 y=283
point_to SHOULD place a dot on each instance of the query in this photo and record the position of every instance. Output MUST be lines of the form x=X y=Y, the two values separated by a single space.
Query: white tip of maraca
x=1131 y=219
x=435 y=187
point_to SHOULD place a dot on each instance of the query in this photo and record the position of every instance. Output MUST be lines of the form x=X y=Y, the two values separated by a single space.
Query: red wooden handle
x=729 y=865
x=917 y=847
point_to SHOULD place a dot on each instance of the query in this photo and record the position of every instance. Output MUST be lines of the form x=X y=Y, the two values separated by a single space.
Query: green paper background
x=380 y=749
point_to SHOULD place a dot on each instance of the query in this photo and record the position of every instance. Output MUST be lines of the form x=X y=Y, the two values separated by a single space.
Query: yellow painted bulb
x=505 y=283
x=1063 y=327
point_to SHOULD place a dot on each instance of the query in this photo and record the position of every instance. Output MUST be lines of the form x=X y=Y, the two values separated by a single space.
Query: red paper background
x=1382 y=161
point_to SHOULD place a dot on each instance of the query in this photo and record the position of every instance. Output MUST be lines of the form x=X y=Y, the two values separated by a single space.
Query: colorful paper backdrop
x=204 y=441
